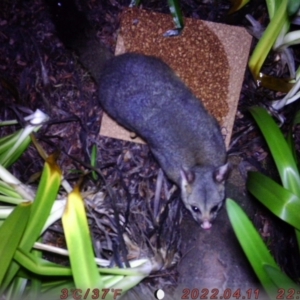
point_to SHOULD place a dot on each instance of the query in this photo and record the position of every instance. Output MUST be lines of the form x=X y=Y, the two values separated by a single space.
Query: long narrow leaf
x=20 y=142
x=280 y=279
x=280 y=150
x=8 y=141
x=277 y=199
x=42 y=205
x=62 y=290
x=36 y=281
x=11 y=200
x=272 y=6
x=16 y=289
x=40 y=210
x=253 y=246
x=11 y=233
x=11 y=182
x=7 y=190
x=40 y=266
x=268 y=39
x=84 y=268
x=176 y=13
x=94 y=161
x=293 y=7
x=237 y=4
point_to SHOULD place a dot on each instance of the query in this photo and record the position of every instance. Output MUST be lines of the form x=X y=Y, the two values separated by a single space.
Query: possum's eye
x=195 y=209
x=214 y=209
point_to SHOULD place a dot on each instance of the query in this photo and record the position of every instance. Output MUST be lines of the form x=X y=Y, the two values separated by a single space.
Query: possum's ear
x=187 y=176
x=222 y=173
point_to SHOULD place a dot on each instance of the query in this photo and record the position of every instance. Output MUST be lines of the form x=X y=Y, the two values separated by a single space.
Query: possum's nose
x=206 y=224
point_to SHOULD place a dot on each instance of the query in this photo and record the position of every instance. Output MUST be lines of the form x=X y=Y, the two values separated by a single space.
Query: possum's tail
x=75 y=31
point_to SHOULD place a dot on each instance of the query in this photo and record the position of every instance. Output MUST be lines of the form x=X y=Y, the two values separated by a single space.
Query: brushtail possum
x=144 y=95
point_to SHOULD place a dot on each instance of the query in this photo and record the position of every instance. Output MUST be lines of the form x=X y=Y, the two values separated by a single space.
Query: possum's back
x=144 y=95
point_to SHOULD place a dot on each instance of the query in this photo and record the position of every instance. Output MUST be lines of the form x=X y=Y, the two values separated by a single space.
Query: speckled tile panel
x=209 y=57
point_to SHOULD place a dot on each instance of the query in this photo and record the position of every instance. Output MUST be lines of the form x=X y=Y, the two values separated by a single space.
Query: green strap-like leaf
x=176 y=13
x=280 y=150
x=9 y=191
x=272 y=6
x=277 y=199
x=42 y=205
x=58 y=290
x=269 y=37
x=40 y=210
x=40 y=266
x=237 y=4
x=293 y=7
x=134 y=3
x=84 y=268
x=94 y=161
x=253 y=246
x=280 y=279
x=11 y=233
